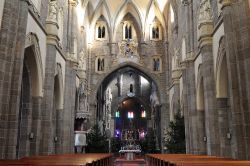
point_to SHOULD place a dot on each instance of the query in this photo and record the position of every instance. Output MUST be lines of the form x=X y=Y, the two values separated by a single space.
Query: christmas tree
x=97 y=142
x=175 y=139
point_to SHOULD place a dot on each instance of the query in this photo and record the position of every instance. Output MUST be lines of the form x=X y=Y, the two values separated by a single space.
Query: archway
x=30 y=91
x=223 y=103
x=128 y=98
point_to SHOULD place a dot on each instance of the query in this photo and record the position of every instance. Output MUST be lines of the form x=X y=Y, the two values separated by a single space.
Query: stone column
x=12 y=37
x=69 y=111
x=72 y=31
x=201 y=132
x=225 y=135
x=46 y=135
x=205 y=30
x=68 y=115
x=190 y=114
x=237 y=67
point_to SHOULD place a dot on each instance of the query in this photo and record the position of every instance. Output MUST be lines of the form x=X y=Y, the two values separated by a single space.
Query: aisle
x=123 y=162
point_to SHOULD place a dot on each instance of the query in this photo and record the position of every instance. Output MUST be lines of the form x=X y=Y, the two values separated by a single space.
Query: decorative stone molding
x=205 y=24
x=185 y=2
x=53 y=11
x=73 y=3
x=128 y=48
x=52 y=23
x=205 y=14
x=225 y=3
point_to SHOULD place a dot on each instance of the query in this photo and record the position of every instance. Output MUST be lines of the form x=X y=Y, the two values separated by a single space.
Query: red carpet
x=123 y=162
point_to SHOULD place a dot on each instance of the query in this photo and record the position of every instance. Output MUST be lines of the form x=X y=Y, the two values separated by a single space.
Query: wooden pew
x=66 y=159
x=191 y=160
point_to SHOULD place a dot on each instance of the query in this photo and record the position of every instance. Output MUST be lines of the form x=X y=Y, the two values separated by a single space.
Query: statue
x=82 y=61
x=53 y=10
x=156 y=64
x=82 y=98
x=205 y=12
x=154 y=100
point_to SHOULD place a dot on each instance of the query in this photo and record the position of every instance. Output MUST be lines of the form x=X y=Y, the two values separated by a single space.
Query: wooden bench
x=191 y=160
x=66 y=159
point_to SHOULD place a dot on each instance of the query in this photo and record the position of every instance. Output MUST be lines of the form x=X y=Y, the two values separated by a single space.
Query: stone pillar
x=235 y=63
x=190 y=114
x=205 y=30
x=225 y=135
x=201 y=132
x=72 y=31
x=68 y=117
x=12 y=37
x=35 y=126
x=47 y=135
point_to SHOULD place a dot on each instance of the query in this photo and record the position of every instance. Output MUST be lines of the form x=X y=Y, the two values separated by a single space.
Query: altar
x=129 y=154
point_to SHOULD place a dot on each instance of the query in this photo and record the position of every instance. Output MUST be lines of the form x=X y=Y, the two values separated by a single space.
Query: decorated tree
x=175 y=138
x=97 y=142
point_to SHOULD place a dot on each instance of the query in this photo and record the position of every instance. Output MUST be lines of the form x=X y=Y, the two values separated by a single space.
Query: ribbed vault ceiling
x=113 y=11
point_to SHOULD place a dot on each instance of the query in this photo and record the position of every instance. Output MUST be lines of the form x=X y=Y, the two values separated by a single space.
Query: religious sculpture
x=154 y=100
x=82 y=98
x=100 y=64
x=205 y=11
x=53 y=10
x=156 y=64
x=82 y=61
x=128 y=48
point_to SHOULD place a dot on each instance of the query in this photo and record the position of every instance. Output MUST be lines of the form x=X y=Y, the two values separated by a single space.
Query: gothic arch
x=221 y=71
x=146 y=72
x=128 y=7
x=34 y=61
x=158 y=15
x=102 y=10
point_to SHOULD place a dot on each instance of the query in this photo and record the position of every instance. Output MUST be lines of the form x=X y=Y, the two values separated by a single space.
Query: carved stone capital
x=52 y=32
x=73 y=3
x=225 y=3
x=205 y=31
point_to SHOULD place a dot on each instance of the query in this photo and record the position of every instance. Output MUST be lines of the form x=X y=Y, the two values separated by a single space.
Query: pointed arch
x=137 y=67
x=101 y=11
x=34 y=60
x=221 y=71
x=128 y=7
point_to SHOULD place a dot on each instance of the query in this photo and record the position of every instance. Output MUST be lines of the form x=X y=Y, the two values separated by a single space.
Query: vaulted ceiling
x=114 y=10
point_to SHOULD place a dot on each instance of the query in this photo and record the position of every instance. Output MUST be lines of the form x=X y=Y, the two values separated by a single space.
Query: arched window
x=127 y=30
x=100 y=64
x=101 y=30
x=155 y=32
